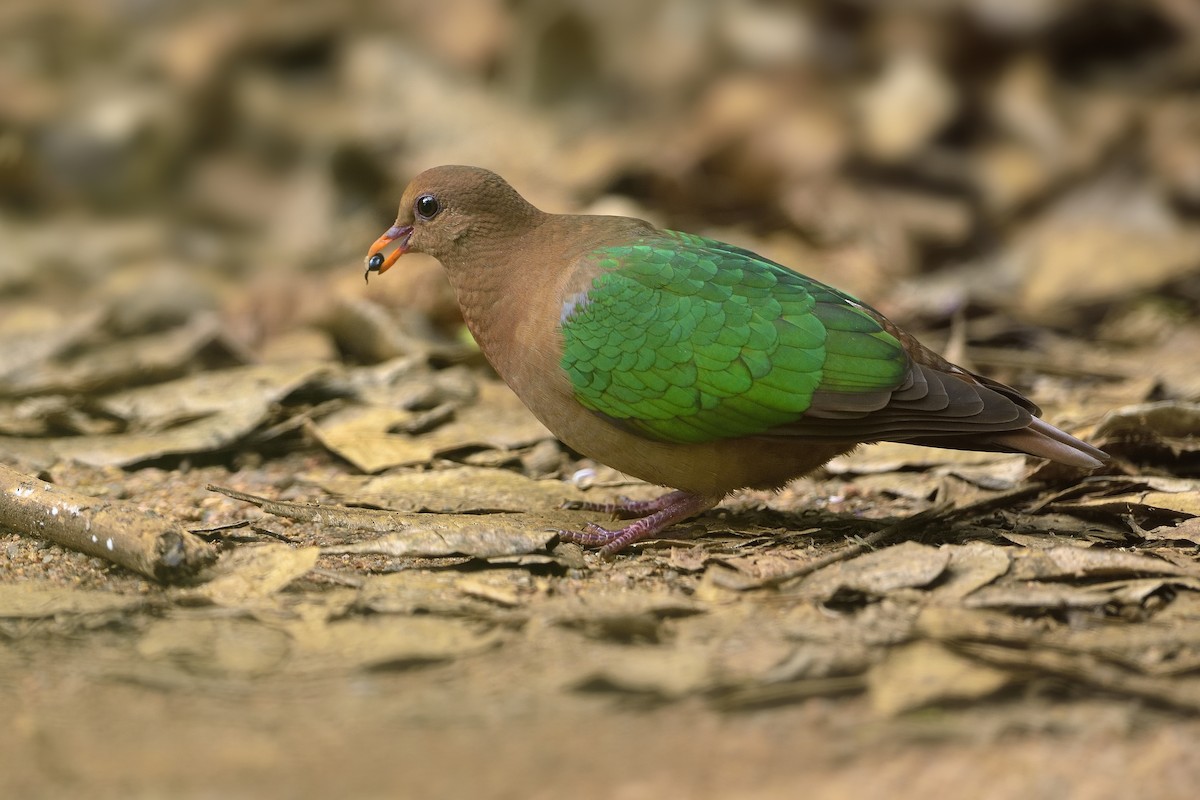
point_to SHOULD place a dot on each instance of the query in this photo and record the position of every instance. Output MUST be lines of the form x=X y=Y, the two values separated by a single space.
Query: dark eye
x=427 y=206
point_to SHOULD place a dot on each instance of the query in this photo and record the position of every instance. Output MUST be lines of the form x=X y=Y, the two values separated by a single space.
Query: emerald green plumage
x=687 y=339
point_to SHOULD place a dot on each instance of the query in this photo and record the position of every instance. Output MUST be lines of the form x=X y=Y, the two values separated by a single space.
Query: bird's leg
x=666 y=511
x=627 y=507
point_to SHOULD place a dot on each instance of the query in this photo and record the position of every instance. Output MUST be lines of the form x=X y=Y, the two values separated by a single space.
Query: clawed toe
x=621 y=507
x=662 y=513
x=592 y=535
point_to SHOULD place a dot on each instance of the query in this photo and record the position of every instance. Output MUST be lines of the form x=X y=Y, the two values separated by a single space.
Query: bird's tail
x=1043 y=440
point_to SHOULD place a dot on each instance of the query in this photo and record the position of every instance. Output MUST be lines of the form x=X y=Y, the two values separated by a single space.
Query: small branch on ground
x=134 y=538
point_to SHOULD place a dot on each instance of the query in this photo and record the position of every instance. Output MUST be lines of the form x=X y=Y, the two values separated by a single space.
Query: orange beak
x=376 y=260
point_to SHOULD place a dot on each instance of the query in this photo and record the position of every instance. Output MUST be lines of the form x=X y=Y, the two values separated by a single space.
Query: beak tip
x=376 y=260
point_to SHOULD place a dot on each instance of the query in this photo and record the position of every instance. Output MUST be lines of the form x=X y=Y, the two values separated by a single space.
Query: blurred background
x=1039 y=159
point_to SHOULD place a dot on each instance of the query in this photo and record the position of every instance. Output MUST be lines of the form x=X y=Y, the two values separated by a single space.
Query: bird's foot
x=663 y=513
x=626 y=507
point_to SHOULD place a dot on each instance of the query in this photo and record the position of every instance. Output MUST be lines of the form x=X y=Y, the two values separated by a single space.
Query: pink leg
x=666 y=511
x=625 y=507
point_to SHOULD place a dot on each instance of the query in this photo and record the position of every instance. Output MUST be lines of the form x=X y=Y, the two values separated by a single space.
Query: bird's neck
x=511 y=288
x=501 y=290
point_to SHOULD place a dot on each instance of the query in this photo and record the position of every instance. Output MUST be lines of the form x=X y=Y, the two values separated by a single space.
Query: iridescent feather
x=686 y=339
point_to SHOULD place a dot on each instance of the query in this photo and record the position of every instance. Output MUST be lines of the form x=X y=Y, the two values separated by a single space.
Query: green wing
x=687 y=339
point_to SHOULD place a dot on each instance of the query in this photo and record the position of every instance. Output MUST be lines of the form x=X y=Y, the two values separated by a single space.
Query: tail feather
x=1044 y=440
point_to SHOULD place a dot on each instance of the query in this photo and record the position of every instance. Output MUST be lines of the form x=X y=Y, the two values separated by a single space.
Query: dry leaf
x=198 y=414
x=904 y=565
x=216 y=647
x=445 y=535
x=387 y=642
x=496 y=420
x=923 y=673
x=454 y=491
x=663 y=673
x=1056 y=563
x=31 y=601
x=251 y=574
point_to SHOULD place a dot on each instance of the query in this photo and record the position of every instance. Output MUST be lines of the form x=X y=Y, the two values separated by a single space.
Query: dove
x=688 y=362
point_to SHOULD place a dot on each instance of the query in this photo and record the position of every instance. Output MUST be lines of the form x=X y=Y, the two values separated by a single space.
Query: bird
x=687 y=362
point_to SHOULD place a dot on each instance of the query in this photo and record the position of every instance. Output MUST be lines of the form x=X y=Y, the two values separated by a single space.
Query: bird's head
x=446 y=209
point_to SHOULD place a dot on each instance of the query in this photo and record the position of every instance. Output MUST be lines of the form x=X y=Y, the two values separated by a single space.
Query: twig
x=140 y=540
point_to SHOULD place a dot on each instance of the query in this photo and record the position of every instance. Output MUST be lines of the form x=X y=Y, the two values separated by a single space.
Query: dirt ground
x=450 y=678
x=266 y=530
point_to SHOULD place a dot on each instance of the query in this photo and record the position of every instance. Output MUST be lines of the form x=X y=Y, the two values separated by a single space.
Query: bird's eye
x=427 y=206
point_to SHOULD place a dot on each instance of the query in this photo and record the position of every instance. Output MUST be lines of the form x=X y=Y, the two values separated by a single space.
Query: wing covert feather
x=686 y=339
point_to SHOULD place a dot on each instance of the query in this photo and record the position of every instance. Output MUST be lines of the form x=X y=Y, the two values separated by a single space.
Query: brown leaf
x=496 y=420
x=898 y=567
x=1159 y=431
x=489 y=536
x=445 y=535
x=1103 y=243
x=621 y=615
x=1056 y=563
x=215 y=647
x=1088 y=670
x=198 y=414
x=971 y=566
x=31 y=336
x=925 y=673
x=251 y=574
x=382 y=642
x=456 y=490
x=129 y=361
x=442 y=593
x=664 y=673
x=31 y=601
x=1038 y=596
x=1188 y=530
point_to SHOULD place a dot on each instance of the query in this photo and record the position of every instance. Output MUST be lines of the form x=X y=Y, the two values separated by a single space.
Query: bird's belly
x=716 y=467
x=723 y=466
